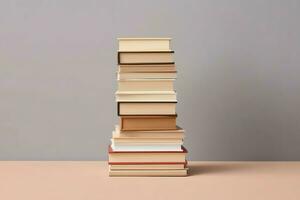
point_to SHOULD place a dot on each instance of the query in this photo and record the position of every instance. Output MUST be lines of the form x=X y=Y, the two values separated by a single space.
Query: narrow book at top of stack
x=147 y=141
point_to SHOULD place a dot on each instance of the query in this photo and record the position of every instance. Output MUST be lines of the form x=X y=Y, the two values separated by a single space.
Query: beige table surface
x=68 y=180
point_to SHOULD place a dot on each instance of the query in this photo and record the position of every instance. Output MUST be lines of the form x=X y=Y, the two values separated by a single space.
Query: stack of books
x=147 y=141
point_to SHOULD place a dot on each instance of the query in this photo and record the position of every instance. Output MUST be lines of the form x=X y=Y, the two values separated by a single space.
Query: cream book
x=145 y=57
x=178 y=133
x=146 y=96
x=147 y=68
x=144 y=44
x=147 y=166
x=146 y=85
x=146 y=156
x=157 y=172
x=146 y=75
x=147 y=108
x=158 y=141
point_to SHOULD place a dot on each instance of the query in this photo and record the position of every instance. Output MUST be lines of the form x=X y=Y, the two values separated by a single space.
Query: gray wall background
x=238 y=86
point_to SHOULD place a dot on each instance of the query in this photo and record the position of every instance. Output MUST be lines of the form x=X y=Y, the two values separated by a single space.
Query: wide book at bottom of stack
x=147 y=163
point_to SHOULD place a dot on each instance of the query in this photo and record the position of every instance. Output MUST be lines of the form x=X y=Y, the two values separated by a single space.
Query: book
x=145 y=147
x=156 y=172
x=146 y=85
x=146 y=156
x=143 y=141
x=146 y=75
x=146 y=108
x=146 y=96
x=162 y=122
x=145 y=57
x=177 y=133
x=147 y=68
x=146 y=144
x=146 y=166
x=144 y=44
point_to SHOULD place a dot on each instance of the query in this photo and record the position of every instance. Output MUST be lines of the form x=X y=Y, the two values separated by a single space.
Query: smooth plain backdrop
x=238 y=81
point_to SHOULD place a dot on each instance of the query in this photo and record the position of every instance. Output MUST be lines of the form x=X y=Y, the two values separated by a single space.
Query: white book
x=146 y=96
x=176 y=134
x=144 y=147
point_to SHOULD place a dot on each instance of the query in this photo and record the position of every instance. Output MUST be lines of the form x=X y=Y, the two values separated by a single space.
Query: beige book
x=178 y=133
x=140 y=156
x=154 y=57
x=144 y=44
x=146 y=157
x=146 y=85
x=146 y=96
x=157 y=172
x=146 y=140
x=147 y=108
x=146 y=75
x=147 y=166
x=147 y=68
x=135 y=123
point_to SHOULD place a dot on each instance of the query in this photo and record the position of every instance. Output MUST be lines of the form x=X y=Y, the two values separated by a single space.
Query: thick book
x=147 y=156
x=149 y=172
x=145 y=57
x=146 y=75
x=147 y=68
x=146 y=108
x=135 y=123
x=144 y=44
x=146 y=85
x=146 y=96
x=178 y=133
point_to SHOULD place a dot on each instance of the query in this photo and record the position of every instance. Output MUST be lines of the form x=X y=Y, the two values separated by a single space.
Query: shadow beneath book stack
x=217 y=167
